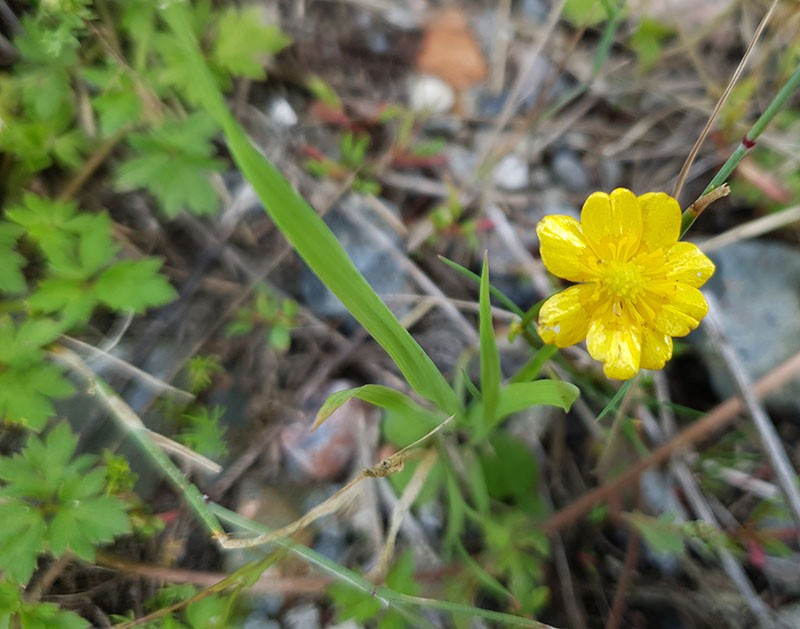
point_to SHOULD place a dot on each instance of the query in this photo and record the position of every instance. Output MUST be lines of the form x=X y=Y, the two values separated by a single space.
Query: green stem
x=747 y=143
x=391 y=597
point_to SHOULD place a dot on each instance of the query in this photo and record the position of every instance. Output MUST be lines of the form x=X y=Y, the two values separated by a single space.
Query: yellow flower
x=639 y=285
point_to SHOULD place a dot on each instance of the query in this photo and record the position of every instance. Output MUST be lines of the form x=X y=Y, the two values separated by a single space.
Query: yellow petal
x=687 y=264
x=612 y=224
x=564 y=318
x=617 y=344
x=563 y=247
x=656 y=349
x=661 y=221
x=681 y=309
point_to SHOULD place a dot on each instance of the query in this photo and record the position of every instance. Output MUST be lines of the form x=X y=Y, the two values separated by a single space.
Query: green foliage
x=660 y=533
x=16 y=612
x=27 y=383
x=275 y=316
x=81 y=271
x=243 y=42
x=352 y=604
x=201 y=370
x=173 y=162
x=50 y=501
x=646 y=41
x=202 y=432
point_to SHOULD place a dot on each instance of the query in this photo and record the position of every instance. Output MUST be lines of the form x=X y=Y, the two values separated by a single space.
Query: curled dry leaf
x=451 y=51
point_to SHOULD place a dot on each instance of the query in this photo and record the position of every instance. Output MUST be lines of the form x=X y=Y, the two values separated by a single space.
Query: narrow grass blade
x=309 y=234
x=531 y=369
x=490 y=357
x=614 y=402
x=378 y=395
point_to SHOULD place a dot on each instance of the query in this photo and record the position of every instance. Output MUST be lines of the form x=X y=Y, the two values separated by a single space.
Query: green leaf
x=203 y=432
x=134 y=285
x=490 y=357
x=174 y=164
x=375 y=394
x=510 y=470
x=21 y=539
x=521 y=395
x=116 y=109
x=11 y=278
x=661 y=534
x=244 y=42
x=646 y=41
x=51 y=501
x=66 y=295
x=311 y=237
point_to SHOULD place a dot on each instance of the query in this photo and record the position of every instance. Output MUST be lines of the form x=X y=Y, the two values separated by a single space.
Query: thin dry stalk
x=716 y=419
x=722 y=99
x=752 y=229
x=785 y=474
x=400 y=511
x=386 y=467
x=733 y=568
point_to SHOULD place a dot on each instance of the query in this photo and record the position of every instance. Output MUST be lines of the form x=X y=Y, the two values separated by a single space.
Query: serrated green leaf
x=134 y=285
x=11 y=278
x=243 y=42
x=173 y=163
x=117 y=108
x=67 y=295
x=21 y=539
x=25 y=394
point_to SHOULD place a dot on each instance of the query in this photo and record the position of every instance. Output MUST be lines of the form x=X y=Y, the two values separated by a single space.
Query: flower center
x=623 y=280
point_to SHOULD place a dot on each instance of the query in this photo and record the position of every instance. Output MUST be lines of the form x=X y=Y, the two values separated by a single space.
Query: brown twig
x=719 y=417
x=43 y=585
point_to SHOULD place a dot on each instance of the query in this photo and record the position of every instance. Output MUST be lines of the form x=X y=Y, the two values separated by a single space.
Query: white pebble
x=430 y=94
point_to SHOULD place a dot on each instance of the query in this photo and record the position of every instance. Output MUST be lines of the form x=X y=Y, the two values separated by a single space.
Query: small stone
x=430 y=94
x=535 y=9
x=256 y=621
x=569 y=170
x=281 y=113
x=511 y=173
x=303 y=616
x=757 y=286
x=324 y=453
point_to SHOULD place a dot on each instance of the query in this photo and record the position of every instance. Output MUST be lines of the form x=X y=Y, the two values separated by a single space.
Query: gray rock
x=757 y=285
x=511 y=172
x=461 y=162
x=569 y=170
x=375 y=261
x=535 y=9
x=256 y=621
x=303 y=616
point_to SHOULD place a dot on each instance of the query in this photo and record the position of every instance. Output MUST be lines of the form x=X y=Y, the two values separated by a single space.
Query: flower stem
x=747 y=143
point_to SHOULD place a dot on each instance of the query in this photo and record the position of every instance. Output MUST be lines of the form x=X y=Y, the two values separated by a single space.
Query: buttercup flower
x=638 y=285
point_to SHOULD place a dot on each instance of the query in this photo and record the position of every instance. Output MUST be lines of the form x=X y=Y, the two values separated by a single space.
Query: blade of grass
x=612 y=404
x=309 y=234
x=490 y=357
x=531 y=369
x=389 y=596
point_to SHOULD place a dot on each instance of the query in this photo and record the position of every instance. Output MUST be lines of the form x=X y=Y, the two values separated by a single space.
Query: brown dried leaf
x=450 y=50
